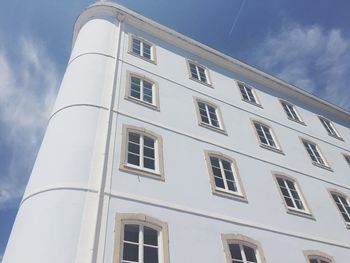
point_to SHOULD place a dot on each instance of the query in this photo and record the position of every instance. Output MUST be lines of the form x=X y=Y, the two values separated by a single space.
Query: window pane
x=289 y=201
x=133 y=148
x=148 y=152
x=313 y=261
x=232 y=186
x=150 y=236
x=149 y=163
x=148 y=141
x=131 y=233
x=131 y=252
x=133 y=159
x=150 y=255
x=134 y=137
x=249 y=253
x=219 y=182
x=235 y=251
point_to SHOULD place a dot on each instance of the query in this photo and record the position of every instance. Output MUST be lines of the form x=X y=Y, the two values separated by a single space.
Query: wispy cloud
x=28 y=85
x=311 y=58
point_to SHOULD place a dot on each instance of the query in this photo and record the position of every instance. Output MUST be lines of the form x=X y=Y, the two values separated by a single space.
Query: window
x=266 y=136
x=143 y=152
x=347 y=158
x=314 y=153
x=140 y=239
x=342 y=202
x=198 y=72
x=291 y=194
x=291 y=111
x=142 y=48
x=142 y=90
x=329 y=126
x=314 y=256
x=248 y=94
x=224 y=176
x=241 y=249
x=209 y=115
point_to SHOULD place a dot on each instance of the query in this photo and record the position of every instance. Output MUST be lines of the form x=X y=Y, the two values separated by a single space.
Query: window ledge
x=140 y=102
x=219 y=130
x=201 y=82
x=297 y=121
x=271 y=148
x=301 y=213
x=142 y=172
x=253 y=103
x=146 y=59
x=233 y=196
x=323 y=166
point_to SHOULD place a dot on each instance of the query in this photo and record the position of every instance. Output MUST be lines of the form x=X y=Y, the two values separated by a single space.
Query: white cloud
x=311 y=58
x=28 y=85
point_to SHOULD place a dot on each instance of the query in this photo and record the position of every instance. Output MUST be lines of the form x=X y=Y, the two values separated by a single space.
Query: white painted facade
x=77 y=187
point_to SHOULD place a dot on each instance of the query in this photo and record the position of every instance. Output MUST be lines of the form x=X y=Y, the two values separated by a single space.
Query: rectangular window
x=198 y=72
x=142 y=90
x=291 y=111
x=343 y=205
x=266 y=137
x=242 y=253
x=248 y=94
x=223 y=175
x=314 y=153
x=140 y=238
x=209 y=115
x=291 y=194
x=142 y=48
x=143 y=152
x=329 y=126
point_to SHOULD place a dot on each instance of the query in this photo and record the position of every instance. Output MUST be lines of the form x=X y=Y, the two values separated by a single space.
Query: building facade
x=160 y=149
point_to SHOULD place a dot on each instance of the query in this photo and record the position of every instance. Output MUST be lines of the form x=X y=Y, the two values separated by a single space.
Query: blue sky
x=306 y=43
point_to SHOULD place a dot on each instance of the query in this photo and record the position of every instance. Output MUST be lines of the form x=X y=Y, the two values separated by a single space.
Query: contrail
x=238 y=14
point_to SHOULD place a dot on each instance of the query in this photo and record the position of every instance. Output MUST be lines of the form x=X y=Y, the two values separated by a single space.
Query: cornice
x=113 y=10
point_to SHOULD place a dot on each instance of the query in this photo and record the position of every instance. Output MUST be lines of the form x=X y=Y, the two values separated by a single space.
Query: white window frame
x=292 y=210
x=255 y=101
x=276 y=147
x=239 y=193
x=207 y=81
x=242 y=240
x=155 y=91
x=142 y=43
x=218 y=115
x=329 y=127
x=318 y=255
x=158 y=172
x=340 y=194
x=291 y=111
x=316 y=153
x=142 y=221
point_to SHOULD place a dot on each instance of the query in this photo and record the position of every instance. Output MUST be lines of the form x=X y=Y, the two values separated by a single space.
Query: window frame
x=312 y=254
x=256 y=98
x=299 y=118
x=326 y=163
x=291 y=210
x=221 y=127
x=347 y=158
x=244 y=240
x=338 y=193
x=157 y=173
x=122 y=219
x=240 y=193
x=278 y=147
x=327 y=122
x=206 y=72
x=155 y=91
x=153 y=54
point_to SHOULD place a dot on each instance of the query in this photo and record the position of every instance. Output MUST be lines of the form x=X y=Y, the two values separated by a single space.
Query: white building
x=161 y=149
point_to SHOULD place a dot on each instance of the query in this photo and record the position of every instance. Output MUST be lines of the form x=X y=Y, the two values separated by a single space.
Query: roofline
x=171 y=36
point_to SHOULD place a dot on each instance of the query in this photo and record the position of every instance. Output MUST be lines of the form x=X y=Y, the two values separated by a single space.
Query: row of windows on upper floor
x=144 y=239
x=143 y=90
x=146 y=50
x=142 y=153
